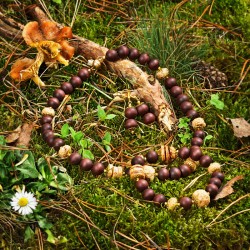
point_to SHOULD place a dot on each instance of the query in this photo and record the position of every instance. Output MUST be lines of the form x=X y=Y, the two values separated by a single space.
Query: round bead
x=195 y=153
x=130 y=123
x=143 y=58
x=181 y=98
x=175 y=173
x=154 y=64
x=159 y=199
x=142 y=109
x=86 y=164
x=185 y=202
x=112 y=55
x=83 y=74
x=59 y=94
x=46 y=119
x=219 y=175
x=185 y=170
x=148 y=194
x=53 y=102
x=205 y=161
x=185 y=106
x=216 y=181
x=133 y=54
x=152 y=156
x=163 y=174
x=58 y=142
x=76 y=81
x=50 y=140
x=141 y=185
x=75 y=158
x=175 y=91
x=138 y=159
x=212 y=189
x=196 y=141
x=199 y=133
x=192 y=114
x=97 y=169
x=149 y=118
x=131 y=112
x=67 y=88
x=123 y=51
x=184 y=153
x=170 y=82
x=46 y=134
x=46 y=126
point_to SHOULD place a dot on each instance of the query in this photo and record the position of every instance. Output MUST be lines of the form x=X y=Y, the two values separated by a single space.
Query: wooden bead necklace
x=138 y=171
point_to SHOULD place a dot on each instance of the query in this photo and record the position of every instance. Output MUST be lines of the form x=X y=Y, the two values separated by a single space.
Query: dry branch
x=146 y=91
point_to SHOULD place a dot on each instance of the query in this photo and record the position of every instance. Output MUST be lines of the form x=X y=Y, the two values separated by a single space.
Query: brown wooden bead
x=58 y=142
x=159 y=199
x=123 y=51
x=46 y=126
x=53 y=102
x=199 y=133
x=67 y=88
x=76 y=81
x=46 y=119
x=75 y=158
x=205 y=161
x=141 y=185
x=149 y=118
x=133 y=54
x=86 y=164
x=184 y=153
x=83 y=74
x=216 y=181
x=154 y=64
x=212 y=189
x=192 y=114
x=175 y=173
x=131 y=112
x=195 y=153
x=112 y=55
x=152 y=156
x=143 y=58
x=185 y=202
x=59 y=94
x=181 y=98
x=185 y=170
x=138 y=159
x=196 y=141
x=219 y=175
x=185 y=106
x=130 y=123
x=175 y=91
x=97 y=169
x=148 y=194
x=163 y=174
x=170 y=82
x=142 y=109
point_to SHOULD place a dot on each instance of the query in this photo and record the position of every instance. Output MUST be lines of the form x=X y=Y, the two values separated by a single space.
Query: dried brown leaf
x=25 y=135
x=227 y=188
x=241 y=127
x=13 y=136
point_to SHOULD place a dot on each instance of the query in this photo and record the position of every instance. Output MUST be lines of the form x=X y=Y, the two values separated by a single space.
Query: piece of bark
x=147 y=92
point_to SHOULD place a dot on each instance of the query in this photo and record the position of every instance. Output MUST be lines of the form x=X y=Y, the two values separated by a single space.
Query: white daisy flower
x=23 y=202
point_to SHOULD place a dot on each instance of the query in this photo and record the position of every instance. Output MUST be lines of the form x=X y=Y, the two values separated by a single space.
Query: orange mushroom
x=52 y=46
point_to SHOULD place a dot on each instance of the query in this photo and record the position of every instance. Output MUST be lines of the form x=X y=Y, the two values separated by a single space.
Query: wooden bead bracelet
x=191 y=155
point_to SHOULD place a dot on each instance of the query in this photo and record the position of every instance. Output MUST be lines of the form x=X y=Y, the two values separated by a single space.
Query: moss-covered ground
x=103 y=213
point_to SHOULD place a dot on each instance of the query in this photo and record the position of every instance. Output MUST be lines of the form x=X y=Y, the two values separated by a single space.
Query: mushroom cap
x=21 y=65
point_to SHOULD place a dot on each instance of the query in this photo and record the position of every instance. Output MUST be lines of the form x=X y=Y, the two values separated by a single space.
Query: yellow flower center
x=23 y=202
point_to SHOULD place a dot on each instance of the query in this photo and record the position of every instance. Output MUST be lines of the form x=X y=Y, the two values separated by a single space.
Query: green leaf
x=65 y=130
x=110 y=116
x=107 y=137
x=78 y=136
x=108 y=148
x=28 y=234
x=184 y=122
x=50 y=238
x=28 y=167
x=2 y=152
x=208 y=137
x=216 y=102
x=87 y=154
x=44 y=223
x=101 y=113
x=57 y=1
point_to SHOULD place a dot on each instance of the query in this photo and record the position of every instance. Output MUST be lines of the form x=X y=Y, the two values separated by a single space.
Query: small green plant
x=185 y=134
x=216 y=102
x=106 y=141
x=102 y=116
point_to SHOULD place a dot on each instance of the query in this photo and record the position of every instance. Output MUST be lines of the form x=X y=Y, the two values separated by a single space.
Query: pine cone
x=213 y=77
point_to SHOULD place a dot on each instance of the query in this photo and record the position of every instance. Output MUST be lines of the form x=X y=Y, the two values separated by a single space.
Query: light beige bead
x=149 y=172
x=201 y=198
x=114 y=171
x=136 y=172
x=191 y=163
x=213 y=167
x=48 y=111
x=168 y=153
x=172 y=203
x=198 y=123
x=64 y=151
x=162 y=73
